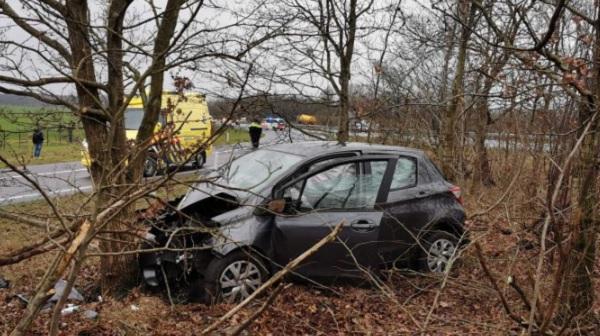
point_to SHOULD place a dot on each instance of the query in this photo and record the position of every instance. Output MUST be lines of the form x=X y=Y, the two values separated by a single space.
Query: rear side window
x=405 y=174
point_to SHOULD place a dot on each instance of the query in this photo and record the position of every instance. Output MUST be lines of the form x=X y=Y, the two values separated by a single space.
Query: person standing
x=38 y=140
x=255 y=131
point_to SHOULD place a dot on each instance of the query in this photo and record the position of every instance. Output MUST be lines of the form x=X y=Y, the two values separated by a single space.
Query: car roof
x=317 y=148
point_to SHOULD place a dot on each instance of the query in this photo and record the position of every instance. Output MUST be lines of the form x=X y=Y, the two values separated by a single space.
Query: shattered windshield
x=258 y=168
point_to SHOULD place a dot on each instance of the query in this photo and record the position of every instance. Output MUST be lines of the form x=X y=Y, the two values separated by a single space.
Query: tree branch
x=41 y=36
x=290 y=266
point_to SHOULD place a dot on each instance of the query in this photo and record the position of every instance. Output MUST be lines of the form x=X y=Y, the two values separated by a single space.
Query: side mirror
x=271 y=207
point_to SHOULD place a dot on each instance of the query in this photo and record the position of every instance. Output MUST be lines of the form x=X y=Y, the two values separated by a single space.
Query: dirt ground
x=463 y=303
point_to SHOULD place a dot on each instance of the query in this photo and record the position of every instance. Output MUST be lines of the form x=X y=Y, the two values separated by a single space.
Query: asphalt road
x=61 y=179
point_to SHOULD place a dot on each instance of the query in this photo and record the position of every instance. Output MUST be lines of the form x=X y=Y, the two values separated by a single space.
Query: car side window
x=405 y=174
x=340 y=187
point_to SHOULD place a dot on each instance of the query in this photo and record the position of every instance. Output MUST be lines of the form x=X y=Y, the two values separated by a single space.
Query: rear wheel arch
x=447 y=225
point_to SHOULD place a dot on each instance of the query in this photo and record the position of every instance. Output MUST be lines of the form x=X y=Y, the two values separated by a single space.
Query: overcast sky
x=140 y=11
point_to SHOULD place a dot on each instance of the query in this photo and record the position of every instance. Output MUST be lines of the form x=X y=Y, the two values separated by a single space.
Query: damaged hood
x=205 y=190
x=248 y=176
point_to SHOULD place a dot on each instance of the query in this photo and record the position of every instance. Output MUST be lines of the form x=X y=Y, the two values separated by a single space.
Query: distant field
x=24 y=118
x=16 y=127
x=18 y=122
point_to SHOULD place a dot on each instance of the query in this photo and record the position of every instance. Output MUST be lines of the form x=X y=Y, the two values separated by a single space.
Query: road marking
x=59 y=172
x=50 y=193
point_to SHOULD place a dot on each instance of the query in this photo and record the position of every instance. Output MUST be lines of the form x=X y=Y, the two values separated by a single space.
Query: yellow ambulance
x=189 y=125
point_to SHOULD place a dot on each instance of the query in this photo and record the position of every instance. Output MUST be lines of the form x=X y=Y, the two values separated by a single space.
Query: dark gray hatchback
x=226 y=235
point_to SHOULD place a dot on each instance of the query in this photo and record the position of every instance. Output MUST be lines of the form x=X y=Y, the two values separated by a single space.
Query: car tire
x=150 y=167
x=436 y=251
x=234 y=277
x=199 y=160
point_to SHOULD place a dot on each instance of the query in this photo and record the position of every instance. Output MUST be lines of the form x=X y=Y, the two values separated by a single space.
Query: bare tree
x=579 y=77
x=451 y=130
x=318 y=49
x=108 y=59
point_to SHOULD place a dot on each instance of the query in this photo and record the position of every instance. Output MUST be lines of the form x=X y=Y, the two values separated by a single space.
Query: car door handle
x=363 y=225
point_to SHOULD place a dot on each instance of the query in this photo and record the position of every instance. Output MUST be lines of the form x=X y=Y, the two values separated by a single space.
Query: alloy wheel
x=439 y=254
x=239 y=279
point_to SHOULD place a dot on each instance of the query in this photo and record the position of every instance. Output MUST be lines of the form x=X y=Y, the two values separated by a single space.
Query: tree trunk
x=482 y=172
x=118 y=271
x=344 y=110
x=105 y=134
x=449 y=143
x=435 y=119
x=581 y=260
x=345 y=73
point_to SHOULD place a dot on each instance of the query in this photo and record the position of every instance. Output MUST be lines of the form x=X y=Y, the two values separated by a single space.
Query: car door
x=406 y=209
x=341 y=191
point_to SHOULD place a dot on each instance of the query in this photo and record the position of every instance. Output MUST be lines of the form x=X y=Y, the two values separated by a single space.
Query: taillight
x=455 y=190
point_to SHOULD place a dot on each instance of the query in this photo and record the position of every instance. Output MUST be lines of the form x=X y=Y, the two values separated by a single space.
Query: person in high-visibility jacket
x=255 y=131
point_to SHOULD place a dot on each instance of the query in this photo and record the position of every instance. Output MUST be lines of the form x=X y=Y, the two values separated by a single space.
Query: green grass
x=51 y=153
x=232 y=136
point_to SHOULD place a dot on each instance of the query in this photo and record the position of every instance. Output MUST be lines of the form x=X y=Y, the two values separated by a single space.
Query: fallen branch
x=23 y=219
x=75 y=243
x=290 y=266
x=28 y=252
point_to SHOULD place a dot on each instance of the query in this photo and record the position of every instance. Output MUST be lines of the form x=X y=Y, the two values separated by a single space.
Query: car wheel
x=150 y=167
x=199 y=160
x=436 y=252
x=234 y=277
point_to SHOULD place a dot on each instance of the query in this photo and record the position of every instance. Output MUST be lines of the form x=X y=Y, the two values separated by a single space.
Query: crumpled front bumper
x=174 y=265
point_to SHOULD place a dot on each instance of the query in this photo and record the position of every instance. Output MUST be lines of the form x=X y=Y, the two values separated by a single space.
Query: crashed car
x=248 y=220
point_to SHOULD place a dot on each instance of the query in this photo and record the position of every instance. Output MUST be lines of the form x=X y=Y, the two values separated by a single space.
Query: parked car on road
x=271 y=123
x=280 y=126
x=270 y=205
